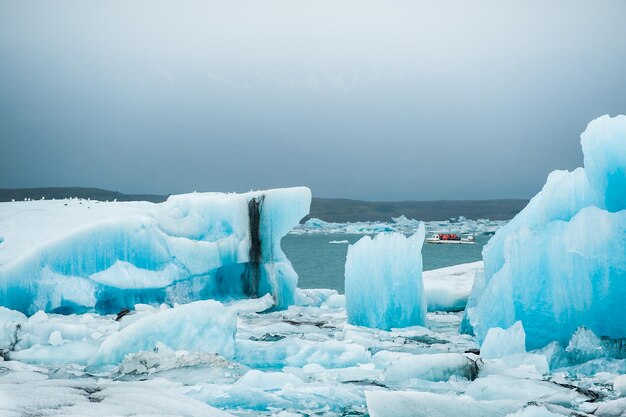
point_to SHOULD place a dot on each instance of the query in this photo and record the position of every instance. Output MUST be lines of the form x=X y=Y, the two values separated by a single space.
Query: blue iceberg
x=561 y=262
x=73 y=256
x=384 y=287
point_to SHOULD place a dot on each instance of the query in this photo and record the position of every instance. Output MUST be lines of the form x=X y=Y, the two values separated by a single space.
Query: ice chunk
x=56 y=338
x=33 y=393
x=561 y=262
x=504 y=342
x=284 y=397
x=529 y=365
x=313 y=297
x=384 y=287
x=604 y=150
x=522 y=391
x=534 y=411
x=431 y=367
x=201 y=326
x=425 y=404
x=74 y=256
x=10 y=321
x=619 y=385
x=268 y=380
x=584 y=346
x=297 y=352
x=334 y=301
x=615 y=408
x=257 y=305
x=77 y=352
x=447 y=289
x=162 y=358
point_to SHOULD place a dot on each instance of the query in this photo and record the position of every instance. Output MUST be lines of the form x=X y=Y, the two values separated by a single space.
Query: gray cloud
x=367 y=99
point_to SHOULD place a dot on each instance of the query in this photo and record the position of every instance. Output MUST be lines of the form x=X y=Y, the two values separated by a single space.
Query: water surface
x=320 y=264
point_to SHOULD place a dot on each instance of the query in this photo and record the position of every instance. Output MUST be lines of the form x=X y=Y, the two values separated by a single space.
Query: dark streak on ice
x=89 y=393
x=252 y=274
x=121 y=314
x=268 y=337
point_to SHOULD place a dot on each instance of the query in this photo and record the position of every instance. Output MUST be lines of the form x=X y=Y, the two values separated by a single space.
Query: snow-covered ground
x=302 y=361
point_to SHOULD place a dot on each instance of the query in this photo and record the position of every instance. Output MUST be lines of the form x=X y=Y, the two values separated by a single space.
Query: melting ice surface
x=76 y=255
x=302 y=361
x=561 y=262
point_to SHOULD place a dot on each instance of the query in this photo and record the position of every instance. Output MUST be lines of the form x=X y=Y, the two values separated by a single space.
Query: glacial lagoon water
x=320 y=263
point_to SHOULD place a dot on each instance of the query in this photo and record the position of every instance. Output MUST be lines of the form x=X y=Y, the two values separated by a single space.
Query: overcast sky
x=377 y=100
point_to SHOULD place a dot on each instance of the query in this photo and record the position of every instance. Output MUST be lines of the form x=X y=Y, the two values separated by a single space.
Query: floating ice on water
x=561 y=262
x=384 y=287
x=504 y=342
x=200 y=326
x=398 y=224
x=75 y=256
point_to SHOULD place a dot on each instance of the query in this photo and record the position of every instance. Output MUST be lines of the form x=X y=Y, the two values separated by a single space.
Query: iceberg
x=76 y=256
x=561 y=262
x=383 y=287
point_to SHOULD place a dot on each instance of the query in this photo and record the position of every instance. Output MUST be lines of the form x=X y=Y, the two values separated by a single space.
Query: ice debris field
x=190 y=308
x=401 y=224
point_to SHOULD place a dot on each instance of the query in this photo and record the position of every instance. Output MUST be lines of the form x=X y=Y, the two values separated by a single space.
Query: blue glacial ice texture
x=201 y=326
x=74 y=256
x=384 y=287
x=561 y=262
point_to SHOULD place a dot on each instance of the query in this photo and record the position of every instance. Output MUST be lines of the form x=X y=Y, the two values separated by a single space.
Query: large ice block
x=384 y=287
x=201 y=326
x=561 y=262
x=80 y=255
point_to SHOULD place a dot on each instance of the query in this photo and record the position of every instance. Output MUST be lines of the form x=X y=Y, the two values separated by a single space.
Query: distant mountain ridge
x=327 y=209
x=19 y=194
